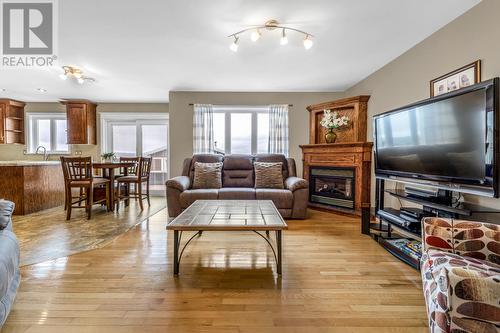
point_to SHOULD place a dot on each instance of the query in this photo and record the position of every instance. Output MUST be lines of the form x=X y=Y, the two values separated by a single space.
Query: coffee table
x=229 y=215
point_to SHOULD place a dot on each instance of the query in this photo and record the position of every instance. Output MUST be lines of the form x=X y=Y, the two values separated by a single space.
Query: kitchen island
x=32 y=185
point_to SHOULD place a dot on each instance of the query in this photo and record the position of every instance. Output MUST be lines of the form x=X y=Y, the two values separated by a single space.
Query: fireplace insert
x=333 y=186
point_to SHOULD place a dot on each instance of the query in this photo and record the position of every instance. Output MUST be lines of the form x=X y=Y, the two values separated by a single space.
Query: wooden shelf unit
x=11 y=121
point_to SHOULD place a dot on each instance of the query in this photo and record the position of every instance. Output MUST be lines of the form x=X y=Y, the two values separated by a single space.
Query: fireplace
x=340 y=173
x=332 y=186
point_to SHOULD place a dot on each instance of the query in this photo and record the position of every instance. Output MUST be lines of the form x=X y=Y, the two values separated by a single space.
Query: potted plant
x=331 y=121
x=108 y=157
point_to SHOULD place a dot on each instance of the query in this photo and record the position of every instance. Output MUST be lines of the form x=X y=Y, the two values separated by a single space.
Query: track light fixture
x=76 y=73
x=284 y=38
x=255 y=36
x=270 y=25
x=308 y=43
x=234 y=46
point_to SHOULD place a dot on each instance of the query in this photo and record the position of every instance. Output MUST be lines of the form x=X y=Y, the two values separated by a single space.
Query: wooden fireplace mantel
x=336 y=146
x=351 y=151
x=357 y=155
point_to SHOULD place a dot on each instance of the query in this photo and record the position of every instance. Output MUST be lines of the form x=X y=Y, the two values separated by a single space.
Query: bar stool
x=140 y=177
x=130 y=171
x=78 y=173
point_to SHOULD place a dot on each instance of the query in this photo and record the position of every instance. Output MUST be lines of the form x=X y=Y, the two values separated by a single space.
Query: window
x=241 y=130
x=146 y=135
x=47 y=130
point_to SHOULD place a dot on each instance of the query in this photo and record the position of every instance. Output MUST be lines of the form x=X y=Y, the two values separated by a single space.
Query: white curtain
x=203 y=129
x=278 y=129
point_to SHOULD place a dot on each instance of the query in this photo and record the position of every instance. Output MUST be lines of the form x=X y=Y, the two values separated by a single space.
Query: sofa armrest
x=6 y=211
x=181 y=183
x=460 y=292
x=295 y=183
x=461 y=237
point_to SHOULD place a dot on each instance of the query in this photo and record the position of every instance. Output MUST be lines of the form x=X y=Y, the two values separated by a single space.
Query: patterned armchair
x=461 y=275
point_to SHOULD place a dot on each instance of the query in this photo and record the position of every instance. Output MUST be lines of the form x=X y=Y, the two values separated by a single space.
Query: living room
x=250 y=166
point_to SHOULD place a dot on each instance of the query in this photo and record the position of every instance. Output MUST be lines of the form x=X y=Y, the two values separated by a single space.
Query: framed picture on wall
x=459 y=78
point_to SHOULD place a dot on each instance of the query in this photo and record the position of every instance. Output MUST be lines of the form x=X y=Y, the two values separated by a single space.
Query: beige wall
x=16 y=152
x=181 y=118
x=474 y=35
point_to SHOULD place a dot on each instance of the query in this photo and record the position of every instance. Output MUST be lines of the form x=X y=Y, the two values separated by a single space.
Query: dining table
x=108 y=171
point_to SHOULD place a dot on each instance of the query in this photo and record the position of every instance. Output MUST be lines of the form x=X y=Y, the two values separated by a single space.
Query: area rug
x=47 y=235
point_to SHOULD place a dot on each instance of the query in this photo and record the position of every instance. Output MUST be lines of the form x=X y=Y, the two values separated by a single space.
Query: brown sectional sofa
x=238 y=182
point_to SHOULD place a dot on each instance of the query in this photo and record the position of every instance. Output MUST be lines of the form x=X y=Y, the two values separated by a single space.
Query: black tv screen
x=446 y=138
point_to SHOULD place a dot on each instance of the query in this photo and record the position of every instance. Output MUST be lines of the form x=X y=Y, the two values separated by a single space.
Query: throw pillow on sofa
x=268 y=175
x=207 y=175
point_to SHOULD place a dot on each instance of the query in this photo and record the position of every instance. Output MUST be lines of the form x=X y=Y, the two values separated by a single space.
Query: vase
x=330 y=136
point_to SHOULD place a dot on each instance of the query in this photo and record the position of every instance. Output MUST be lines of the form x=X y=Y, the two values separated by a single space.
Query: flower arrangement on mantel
x=331 y=121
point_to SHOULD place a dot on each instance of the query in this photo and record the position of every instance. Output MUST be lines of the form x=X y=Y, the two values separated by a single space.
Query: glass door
x=154 y=145
x=124 y=140
x=146 y=138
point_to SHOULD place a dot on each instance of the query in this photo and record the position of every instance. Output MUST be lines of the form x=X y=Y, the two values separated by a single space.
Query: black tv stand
x=457 y=210
x=444 y=197
x=393 y=224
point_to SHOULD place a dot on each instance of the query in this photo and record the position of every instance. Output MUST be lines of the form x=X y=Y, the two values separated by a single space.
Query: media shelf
x=393 y=226
x=391 y=222
x=396 y=251
x=462 y=208
x=391 y=216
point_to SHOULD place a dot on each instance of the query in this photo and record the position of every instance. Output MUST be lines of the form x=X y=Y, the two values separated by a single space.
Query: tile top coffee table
x=229 y=215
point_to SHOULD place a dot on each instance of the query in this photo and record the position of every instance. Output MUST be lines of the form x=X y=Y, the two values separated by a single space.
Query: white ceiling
x=140 y=50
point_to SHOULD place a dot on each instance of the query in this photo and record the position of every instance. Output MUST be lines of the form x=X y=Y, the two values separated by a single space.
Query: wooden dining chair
x=78 y=173
x=130 y=170
x=66 y=188
x=138 y=179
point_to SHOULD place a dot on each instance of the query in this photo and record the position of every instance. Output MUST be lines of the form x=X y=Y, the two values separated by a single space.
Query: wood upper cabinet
x=81 y=117
x=11 y=121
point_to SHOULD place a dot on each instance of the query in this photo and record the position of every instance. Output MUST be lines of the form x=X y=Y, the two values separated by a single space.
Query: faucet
x=45 y=154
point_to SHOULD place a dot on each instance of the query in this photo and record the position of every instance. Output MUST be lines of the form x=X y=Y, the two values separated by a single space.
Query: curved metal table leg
x=185 y=245
x=277 y=256
x=177 y=243
x=278 y=244
x=269 y=243
x=176 y=252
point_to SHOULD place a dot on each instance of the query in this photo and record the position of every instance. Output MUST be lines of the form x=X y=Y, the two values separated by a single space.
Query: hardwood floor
x=334 y=280
x=55 y=237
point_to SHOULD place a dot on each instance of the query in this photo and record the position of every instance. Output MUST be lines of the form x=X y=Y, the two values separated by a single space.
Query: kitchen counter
x=32 y=185
x=28 y=163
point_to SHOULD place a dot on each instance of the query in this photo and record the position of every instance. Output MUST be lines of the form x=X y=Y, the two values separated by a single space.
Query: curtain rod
x=192 y=104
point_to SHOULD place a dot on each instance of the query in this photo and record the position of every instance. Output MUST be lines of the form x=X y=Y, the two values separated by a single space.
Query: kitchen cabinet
x=81 y=118
x=11 y=121
x=32 y=185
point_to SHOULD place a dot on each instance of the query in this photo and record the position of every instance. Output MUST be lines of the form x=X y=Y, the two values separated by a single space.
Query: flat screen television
x=449 y=141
